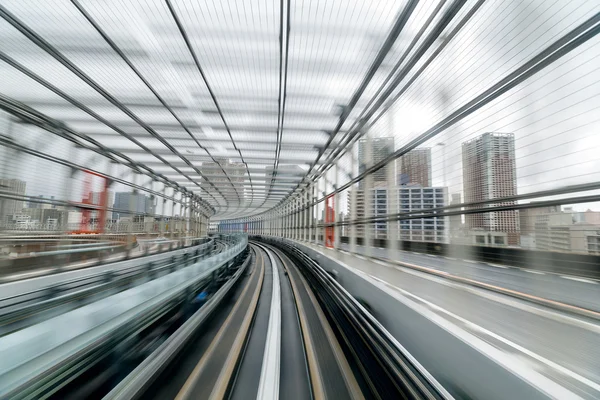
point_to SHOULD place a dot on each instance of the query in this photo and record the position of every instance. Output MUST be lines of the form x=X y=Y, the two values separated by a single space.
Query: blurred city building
x=234 y=177
x=568 y=231
x=431 y=229
x=35 y=204
x=415 y=167
x=127 y=203
x=527 y=219
x=456 y=226
x=9 y=207
x=489 y=173
x=380 y=148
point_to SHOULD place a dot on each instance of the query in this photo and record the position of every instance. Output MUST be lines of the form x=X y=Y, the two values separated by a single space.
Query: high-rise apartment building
x=489 y=172
x=431 y=229
x=381 y=148
x=415 y=168
x=378 y=208
x=9 y=207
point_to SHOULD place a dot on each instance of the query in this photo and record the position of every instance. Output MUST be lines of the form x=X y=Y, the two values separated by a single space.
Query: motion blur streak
x=245 y=198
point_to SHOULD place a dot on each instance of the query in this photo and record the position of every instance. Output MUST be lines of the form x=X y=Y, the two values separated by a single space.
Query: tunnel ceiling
x=234 y=100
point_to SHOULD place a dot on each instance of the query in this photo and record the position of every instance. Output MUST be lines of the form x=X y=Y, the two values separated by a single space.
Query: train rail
x=232 y=347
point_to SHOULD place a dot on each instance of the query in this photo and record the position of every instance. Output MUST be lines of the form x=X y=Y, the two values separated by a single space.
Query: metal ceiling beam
x=357 y=126
x=121 y=54
x=34 y=117
x=258 y=140
x=176 y=127
x=8 y=142
x=208 y=86
x=284 y=46
x=37 y=102
x=52 y=51
x=391 y=38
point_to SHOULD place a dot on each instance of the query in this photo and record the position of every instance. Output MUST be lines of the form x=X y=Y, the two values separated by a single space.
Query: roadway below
x=577 y=291
x=557 y=353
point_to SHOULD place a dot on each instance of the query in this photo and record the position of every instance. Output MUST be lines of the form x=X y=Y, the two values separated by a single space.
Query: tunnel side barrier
x=33 y=359
x=73 y=293
x=456 y=364
x=391 y=372
x=136 y=383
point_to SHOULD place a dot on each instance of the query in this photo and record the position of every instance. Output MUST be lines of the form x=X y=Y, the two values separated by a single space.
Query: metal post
x=172 y=224
x=353 y=197
x=295 y=219
x=163 y=208
x=392 y=208
x=307 y=192
x=336 y=209
x=368 y=194
x=315 y=211
x=325 y=189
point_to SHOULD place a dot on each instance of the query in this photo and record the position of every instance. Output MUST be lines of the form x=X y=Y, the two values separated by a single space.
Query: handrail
x=141 y=260
x=137 y=382
x=41 y=300
x=31 y=356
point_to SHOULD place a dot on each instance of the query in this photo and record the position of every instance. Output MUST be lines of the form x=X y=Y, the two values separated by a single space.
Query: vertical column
x=133 y=202
x=307 y=196
x=325 y=189
x=194 y=221
x=162 y=210
x=290 y=212
x=281 y=221
x=352 y=229
x=336 y=207
x=184 y=213
x=69 y=175
x=306 y=224
x=172 y=224
x=286 y=220
x=311 y=216
x=314 y=217
x=294 y=220
x=299 y=215
x=392 y=208
x=368 y=193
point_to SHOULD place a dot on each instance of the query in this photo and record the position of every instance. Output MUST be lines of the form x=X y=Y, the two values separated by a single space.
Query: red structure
x=329 y=219
x=88 y=206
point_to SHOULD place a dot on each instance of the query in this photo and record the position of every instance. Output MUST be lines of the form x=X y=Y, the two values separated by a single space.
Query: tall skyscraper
x=489 y=172
x=380 y=149
x=415 y=168
x=11 y=206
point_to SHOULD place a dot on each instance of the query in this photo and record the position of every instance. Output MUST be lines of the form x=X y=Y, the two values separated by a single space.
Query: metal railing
x=34 y=356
